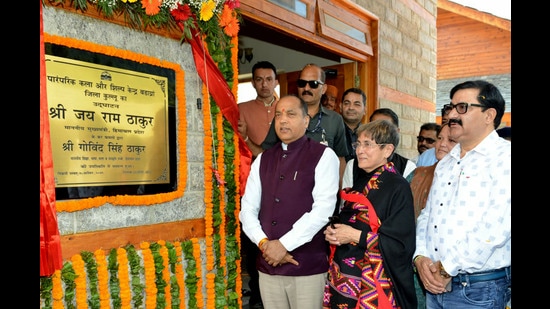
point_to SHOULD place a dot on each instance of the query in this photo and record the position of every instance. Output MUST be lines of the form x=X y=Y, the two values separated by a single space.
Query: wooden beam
x=483 y=17
x=115 y=238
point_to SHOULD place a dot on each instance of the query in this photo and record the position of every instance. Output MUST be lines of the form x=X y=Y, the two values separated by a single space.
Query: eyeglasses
x=365 y=144
x=312 y=83
x=428 y=140
x=461 y=108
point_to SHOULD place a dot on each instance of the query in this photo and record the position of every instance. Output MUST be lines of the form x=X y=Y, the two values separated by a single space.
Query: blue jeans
x=492 y=294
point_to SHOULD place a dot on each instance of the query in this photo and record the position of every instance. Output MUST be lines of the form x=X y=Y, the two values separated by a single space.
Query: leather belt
x=482 y=276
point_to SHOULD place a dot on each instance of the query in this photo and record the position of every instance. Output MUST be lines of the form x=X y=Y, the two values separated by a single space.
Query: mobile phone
x=449 y=286
x=333 y=220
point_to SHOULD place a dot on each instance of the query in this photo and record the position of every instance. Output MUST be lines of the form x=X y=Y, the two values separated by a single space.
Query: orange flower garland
x=210 y=289
x=134 y=200
x=124 y=279
x=209 y=159
x=150 y=285
x=180 y=274
x=80 y=281
x=239 y=283
x=57 y=290
x=103 y=279
x=197 y=256
x=165 y=272
x=171 y=268
x=237 y=163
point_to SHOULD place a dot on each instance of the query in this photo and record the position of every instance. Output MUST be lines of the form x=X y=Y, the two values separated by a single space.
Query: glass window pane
x=345 y=28
x=295 y=6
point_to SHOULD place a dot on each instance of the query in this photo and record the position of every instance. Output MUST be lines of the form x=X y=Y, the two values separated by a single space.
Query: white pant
x=288 y=292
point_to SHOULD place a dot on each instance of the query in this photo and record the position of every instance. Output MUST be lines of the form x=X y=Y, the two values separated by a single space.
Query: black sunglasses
x=427 y=139
x=312 y=83
x=461 y=108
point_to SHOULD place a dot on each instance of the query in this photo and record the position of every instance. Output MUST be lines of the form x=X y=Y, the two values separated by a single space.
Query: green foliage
x=46 y=291
x=67 y=276
x=114 y=281
x=191 y=278
x=138 y=288
x=91 y=269
x=159 y=279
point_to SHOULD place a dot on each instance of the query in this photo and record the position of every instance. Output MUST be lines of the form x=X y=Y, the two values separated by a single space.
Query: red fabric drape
x=50 y=245
x=220 y=91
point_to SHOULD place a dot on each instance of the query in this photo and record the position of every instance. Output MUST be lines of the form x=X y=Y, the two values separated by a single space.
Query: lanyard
x=318 y=125
x=319 y=128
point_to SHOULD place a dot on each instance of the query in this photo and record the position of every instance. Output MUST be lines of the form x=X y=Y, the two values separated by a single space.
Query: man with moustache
x=354 y=108
x=289 y=196
x=463 y=236
x=428 y=158
x=426 y=138
x=325 y=126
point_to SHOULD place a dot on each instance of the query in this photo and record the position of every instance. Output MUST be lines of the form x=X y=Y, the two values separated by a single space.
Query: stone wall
x=60 y=22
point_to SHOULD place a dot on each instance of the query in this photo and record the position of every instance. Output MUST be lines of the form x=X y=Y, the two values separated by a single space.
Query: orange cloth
x=332 y=91
x=258 y=118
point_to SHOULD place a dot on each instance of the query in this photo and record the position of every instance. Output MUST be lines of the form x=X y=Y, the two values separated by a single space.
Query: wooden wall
x=468 y=47
x=471 y=43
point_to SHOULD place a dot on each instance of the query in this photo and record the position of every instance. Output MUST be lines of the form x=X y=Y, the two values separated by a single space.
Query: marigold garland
x=103 y=279
x=80 y=282
x=180 y=275
x=238 y=285
x=207 y=123
x=163 y=251
x=197 y=256
x=149 y=274
x=162 y=266
x=236 y=180
x=124 y=279
x=210 y=288
x=57 y=290
x=215 y=237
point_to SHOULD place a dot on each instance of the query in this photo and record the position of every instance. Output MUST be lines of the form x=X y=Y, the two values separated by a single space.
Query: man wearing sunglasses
x=428 y=158
x=463 y=236
x=325 y=126
x=426 y=138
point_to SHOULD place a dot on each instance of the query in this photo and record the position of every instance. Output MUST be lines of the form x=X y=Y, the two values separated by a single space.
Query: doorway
x=320 y=35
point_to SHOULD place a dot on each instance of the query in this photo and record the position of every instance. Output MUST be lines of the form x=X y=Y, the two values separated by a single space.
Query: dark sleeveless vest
x=287 y=178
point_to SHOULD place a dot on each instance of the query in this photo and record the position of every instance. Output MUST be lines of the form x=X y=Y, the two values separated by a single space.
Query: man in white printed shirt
x=463 y=236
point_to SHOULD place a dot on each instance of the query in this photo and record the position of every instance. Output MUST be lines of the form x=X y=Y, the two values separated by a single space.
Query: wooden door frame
x=366 y=72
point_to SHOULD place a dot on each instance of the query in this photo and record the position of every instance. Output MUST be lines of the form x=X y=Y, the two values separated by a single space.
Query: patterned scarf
x=376 y=286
